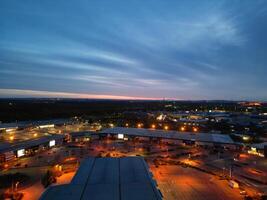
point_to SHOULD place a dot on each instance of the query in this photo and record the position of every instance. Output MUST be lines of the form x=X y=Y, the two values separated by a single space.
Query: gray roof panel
x=108 y=178
x=176 y=135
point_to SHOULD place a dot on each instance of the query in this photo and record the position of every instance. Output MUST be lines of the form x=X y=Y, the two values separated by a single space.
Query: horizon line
x=41 y=94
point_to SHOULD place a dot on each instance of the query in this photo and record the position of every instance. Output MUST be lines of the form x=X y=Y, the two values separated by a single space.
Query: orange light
x=182 y=128
x=139 y=125
x=11 y=137
x=35 y=134
x=126 y=124
x=153 y=126
x=195 y=129
x=166 y=127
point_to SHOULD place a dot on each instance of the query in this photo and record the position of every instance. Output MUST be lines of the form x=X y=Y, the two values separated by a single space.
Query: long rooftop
x=5 y=147
x=125 y=178
x=176 y=135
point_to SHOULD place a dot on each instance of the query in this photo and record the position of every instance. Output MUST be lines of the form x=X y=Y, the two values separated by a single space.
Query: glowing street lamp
x=126 y=124
x=153 y=126
x=139 y=125
x=195 y=129
x=166 y=127
x=246 y=138
x=11 y=137
x=182 y=128
x=35 y=135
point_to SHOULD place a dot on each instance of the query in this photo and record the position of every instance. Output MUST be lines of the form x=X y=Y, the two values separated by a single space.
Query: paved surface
x=176 y=182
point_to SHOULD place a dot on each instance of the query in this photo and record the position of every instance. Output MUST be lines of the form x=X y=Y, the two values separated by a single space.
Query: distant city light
x=35 y=135
x=153 y=126
x=166 y=127
x=47 y=126
x=11 y=137
x=246 y=138
x=182 y=128
x=195 y=129
x=139 y=125
x=126 y=124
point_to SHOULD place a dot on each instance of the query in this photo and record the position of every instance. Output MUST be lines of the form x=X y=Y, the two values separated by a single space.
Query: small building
x=82 y=136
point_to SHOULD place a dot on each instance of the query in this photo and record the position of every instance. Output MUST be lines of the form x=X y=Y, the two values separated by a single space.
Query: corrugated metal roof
x=28 y=143
x=176 y=135
x=108 y=178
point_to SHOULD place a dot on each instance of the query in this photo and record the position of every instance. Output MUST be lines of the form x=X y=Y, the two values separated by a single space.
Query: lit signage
x=52 y=143
x=47 y=126
x=120 y=136
x=21 y=152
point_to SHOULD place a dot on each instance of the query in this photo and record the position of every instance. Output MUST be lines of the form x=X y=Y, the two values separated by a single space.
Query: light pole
x=16 y=186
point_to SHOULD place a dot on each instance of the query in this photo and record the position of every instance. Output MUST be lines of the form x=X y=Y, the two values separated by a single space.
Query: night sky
x=191 y=50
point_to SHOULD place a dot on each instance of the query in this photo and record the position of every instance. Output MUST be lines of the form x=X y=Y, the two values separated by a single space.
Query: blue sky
x=136 y=49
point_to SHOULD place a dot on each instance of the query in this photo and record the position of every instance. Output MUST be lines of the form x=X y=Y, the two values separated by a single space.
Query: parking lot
x=176 y=182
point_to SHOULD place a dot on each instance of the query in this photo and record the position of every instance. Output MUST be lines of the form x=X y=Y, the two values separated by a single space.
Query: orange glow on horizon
x=49 y=94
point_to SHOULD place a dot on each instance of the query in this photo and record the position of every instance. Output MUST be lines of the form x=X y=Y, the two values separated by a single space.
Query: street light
x=245 y=138
x=166 y=127
x=182 y=128
x=153 y=126
x=195 y=129
x=11 y=137
x=139 y=125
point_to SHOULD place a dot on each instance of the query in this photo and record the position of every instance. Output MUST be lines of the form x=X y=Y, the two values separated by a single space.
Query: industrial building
x=9 y=151
x=36 y=123
x=125 y=178
x=203 y=138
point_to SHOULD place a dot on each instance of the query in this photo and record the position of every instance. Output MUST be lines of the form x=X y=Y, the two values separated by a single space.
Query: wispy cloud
x=177 y=49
